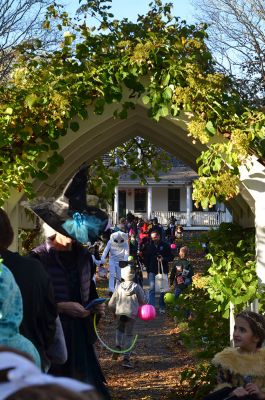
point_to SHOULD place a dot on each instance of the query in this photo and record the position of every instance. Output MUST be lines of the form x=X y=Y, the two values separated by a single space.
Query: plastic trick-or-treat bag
x=161 y=280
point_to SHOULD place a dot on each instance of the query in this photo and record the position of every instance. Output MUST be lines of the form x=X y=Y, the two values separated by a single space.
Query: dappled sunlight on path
x=158 y=360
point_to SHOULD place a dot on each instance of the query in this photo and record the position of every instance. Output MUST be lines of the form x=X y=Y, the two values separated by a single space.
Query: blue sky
x=130 y=9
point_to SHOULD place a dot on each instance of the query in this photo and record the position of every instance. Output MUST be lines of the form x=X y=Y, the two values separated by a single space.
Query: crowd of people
x=152 y=247
x=47 y=332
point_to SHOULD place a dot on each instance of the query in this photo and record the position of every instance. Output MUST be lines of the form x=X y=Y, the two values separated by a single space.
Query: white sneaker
x=162 y=311
x=127 y=364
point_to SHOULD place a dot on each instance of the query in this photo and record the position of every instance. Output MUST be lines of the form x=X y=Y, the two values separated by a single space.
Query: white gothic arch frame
x=100 y=133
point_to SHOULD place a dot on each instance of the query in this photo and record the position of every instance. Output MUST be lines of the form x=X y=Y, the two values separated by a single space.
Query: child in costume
x=125 y=302
x=241 y=370
x=143 y=233
x=177 y=241
x=133 y=245
x=171 y=229
x=182 y=272
x=118 y=250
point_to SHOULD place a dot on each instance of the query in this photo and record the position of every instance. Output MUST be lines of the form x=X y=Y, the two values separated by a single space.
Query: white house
x=172 y=195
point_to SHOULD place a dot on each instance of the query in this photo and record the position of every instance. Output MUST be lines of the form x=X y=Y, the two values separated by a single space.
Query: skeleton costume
x=118 y=250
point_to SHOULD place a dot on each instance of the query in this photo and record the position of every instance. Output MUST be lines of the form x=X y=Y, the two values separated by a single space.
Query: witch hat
x=69 y=214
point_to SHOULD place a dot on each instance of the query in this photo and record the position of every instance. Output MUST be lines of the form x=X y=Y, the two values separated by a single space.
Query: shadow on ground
x=158 y=361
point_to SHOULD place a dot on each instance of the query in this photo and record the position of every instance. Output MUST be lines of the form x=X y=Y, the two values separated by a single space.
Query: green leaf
x=99 y=106
x=226 y=313
x=210 y=128
x=56 y=159
x=54 y=146
x=187 y=107
x=145 y=99
x=41 y=164
x=46 y=24
x=83 y=114
x=167 y=93
x=260 y=132
x=248 y=278
x=175 y=110
x=74 y=126
x=165 y=79
x=204 y=203
x=30 y=100
x=217 y=164
x=205 y=170
x=164 y=111
x=9 y=111
x=238 y=300
x=68 y=38
x=41 y=175
x=213 y=200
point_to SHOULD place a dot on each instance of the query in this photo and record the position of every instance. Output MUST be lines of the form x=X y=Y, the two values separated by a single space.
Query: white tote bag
x=161 y=280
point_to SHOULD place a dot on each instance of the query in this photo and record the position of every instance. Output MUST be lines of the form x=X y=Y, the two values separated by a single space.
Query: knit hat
x=70 y=214
x=127 y=273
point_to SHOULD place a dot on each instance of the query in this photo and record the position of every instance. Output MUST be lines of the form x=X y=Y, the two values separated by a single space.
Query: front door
x=122 y=203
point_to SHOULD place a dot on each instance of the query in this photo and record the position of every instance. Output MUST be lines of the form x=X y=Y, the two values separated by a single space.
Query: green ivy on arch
x=159 y=58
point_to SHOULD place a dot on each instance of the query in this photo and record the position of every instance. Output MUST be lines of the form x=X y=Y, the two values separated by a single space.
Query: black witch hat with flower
x=70 y=214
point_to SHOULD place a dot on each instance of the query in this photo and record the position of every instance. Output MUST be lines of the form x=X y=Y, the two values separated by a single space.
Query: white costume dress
x=118 y=249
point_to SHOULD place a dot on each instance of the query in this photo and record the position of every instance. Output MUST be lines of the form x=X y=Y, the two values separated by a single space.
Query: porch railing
x=198 y=218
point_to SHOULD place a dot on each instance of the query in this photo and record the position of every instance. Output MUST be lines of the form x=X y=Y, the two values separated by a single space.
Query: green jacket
x=181 y=267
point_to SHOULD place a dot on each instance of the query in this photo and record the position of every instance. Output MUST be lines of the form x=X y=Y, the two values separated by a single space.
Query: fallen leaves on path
x=158 y=362
x=159 y=358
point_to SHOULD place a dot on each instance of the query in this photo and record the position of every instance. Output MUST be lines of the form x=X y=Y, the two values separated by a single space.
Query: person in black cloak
x=39 y=308
x=70 y=223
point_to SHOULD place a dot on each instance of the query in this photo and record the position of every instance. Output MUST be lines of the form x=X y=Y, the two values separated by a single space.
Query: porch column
x=149 y=202
x=188 y=205
x=116 y=205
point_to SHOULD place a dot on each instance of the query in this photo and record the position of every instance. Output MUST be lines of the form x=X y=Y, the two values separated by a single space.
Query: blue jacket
x=11 y=315
x=39 y=308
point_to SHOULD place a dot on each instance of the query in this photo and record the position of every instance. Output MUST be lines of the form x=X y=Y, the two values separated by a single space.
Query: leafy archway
x=160 y=61
x=159 y=65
